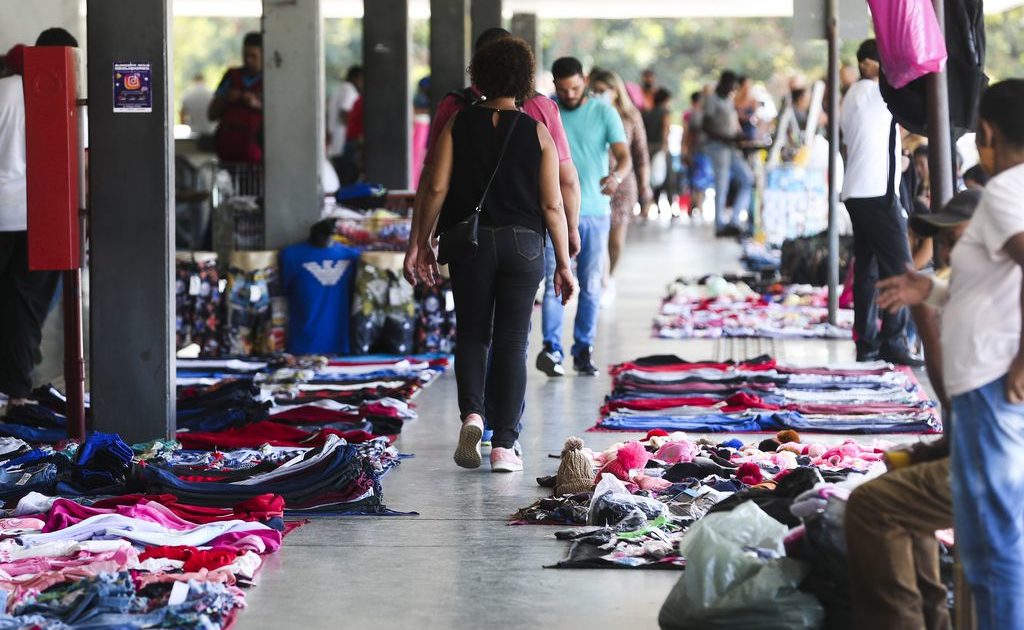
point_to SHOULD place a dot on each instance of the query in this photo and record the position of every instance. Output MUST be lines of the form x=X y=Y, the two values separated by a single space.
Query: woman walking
x=495 y=182
x=608 y=86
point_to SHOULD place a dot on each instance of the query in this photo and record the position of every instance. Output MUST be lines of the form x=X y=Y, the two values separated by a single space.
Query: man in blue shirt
x=593 y=127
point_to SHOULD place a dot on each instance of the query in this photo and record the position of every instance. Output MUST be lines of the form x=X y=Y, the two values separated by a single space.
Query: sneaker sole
x=551 y=369
x=467 y=454
x=506 y=467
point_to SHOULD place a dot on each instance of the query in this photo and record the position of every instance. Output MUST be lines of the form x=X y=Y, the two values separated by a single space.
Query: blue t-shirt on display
x=318 y=283
x=592 y=128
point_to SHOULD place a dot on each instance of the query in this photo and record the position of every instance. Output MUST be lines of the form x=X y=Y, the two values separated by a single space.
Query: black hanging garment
x=965 y=43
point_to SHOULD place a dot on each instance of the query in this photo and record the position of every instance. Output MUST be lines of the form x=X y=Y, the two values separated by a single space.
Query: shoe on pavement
x=902 y=357
x=549 y=361
x=486 y=439
x=583 y=363
x=467 y=453
x=867 y=356
x=505 y=460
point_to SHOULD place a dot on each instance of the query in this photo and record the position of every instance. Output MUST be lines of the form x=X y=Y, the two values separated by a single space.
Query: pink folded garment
x=258 y=541
x=66 y=513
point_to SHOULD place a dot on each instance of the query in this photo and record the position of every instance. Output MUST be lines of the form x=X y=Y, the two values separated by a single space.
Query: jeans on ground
x=729 y=166
x=988 y=502
x=493 y=301
x=880 y=251
x=892 y=553
x=590 y=273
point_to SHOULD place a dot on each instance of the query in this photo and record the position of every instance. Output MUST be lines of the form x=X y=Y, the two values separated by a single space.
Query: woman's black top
x=514 y=197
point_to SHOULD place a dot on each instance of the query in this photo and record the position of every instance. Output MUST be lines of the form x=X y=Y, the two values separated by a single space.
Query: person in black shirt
x=494 y=289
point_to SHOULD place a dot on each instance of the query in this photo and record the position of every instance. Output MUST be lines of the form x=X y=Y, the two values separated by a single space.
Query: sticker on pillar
x=133 y=88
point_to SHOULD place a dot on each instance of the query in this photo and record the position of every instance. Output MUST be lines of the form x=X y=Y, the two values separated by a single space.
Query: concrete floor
x=457 y=564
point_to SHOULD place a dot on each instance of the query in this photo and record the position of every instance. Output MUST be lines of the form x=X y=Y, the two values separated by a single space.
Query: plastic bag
x=910 y=41
x=613 y=505
x=736 y=577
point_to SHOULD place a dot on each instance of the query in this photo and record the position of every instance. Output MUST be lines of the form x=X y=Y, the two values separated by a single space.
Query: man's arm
x=221 y=98
x=1015 y=379
x=569 y=184
x=623 y=165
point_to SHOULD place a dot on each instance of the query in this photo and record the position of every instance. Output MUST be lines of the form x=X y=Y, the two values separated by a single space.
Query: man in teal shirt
x=593 y=127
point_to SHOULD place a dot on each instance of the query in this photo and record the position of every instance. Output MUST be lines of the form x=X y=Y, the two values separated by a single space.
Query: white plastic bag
x=736 y=577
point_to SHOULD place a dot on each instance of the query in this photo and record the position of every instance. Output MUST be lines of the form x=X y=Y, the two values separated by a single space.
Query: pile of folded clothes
x=714 y=307
x=164 y=534
x=665 y=392
x=298 y=402
x=286 y=401
x=85 y=542
x=634 y=502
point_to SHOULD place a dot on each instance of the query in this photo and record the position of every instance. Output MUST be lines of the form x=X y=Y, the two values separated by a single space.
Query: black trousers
x=25 y=298
x=881 y=250
x=493 y=303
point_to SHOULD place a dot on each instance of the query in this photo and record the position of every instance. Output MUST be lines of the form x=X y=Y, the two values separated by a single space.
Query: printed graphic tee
x=318 y=283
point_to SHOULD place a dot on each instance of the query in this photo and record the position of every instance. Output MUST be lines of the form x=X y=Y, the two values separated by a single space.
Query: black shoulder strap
x=466 y=95
x=501 y=156
x=890 y=187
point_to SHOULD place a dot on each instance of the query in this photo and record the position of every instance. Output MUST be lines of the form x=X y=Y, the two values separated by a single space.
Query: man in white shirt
x=339 y=105
x=870 y=191
x=194 y=105
x=983 y=364
x=25 y=296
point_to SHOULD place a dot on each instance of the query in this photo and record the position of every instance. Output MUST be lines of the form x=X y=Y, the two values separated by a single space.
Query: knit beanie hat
x=576 y=472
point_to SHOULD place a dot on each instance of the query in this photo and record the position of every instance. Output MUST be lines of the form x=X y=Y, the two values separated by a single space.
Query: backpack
x=240 y=132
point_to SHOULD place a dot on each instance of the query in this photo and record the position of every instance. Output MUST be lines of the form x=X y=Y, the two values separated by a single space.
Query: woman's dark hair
x=662 y=96
x=695 y=97
x=490 y=36
x=1001 y=105
x=504 y=68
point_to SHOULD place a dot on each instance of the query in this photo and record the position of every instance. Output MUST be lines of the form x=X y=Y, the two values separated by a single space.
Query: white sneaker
x=505 y=460
x=608 y=294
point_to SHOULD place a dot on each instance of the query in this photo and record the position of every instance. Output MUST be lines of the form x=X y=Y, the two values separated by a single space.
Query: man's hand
x=1015 y=381
x=910 y=289
x=575 y=243
x=565 y=284
x=646 y=196
x=251 y=100
x=609 y=185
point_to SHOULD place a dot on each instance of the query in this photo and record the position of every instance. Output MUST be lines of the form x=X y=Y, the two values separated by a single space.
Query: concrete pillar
x=524 y=25
x=486 y=14
x=388 y=102
x=131 y=184
x=449 y=47
x=293 y=118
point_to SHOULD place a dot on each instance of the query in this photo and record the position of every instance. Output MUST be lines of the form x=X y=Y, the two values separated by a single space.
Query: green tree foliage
x=1005 y=35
